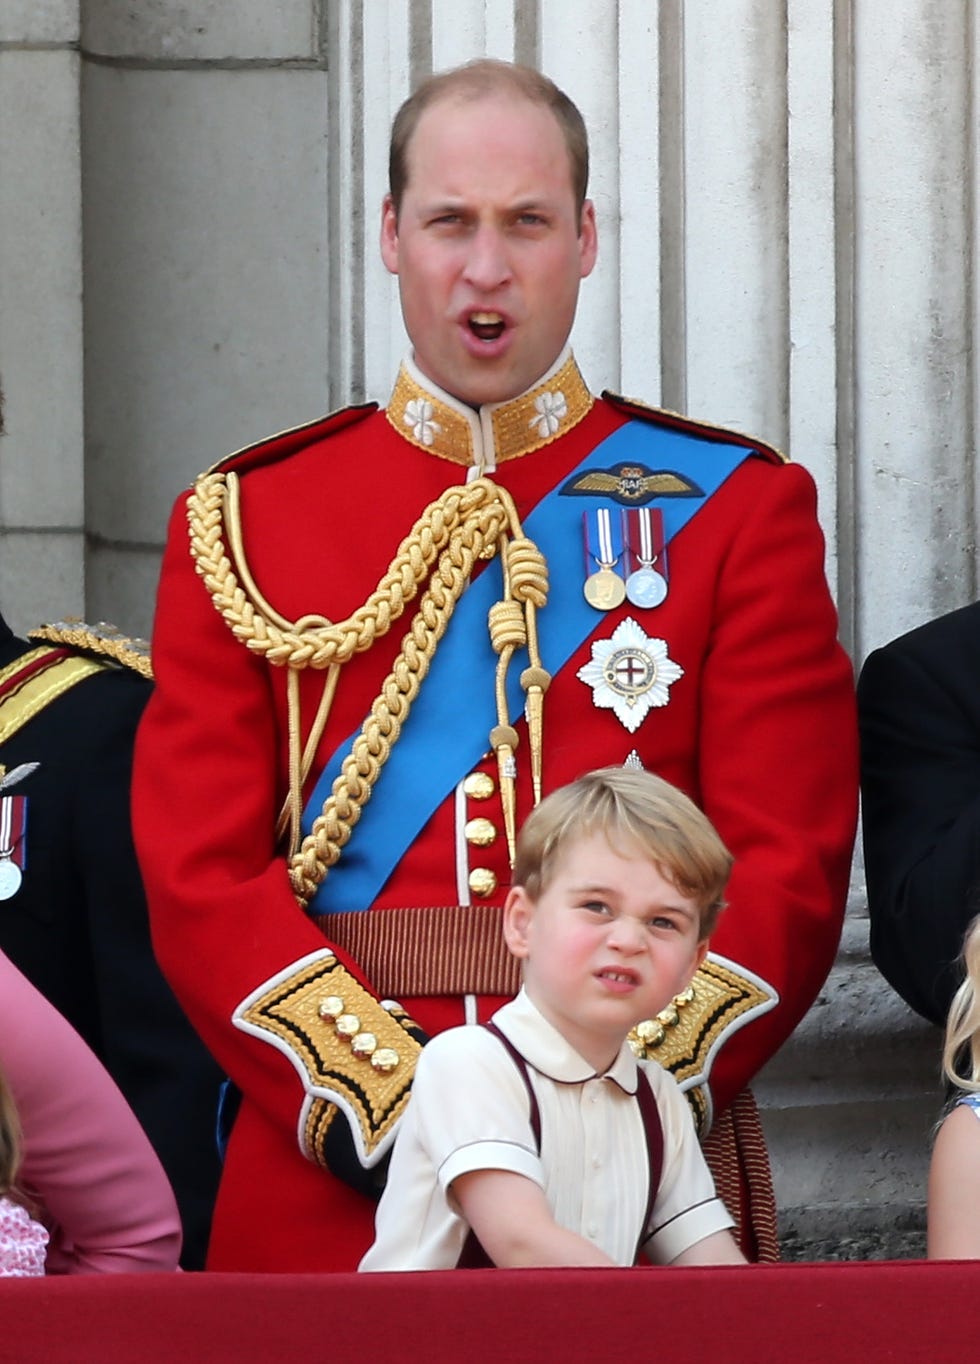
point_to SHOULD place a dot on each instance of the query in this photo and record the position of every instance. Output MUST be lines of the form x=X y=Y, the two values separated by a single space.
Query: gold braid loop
x=476 y=504
x=507 y=628
x=528 y=572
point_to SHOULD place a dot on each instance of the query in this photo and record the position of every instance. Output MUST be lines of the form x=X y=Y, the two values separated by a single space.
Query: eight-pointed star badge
x=629 y=673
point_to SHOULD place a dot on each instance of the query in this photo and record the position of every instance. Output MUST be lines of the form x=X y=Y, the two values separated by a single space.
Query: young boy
x=538 y=1138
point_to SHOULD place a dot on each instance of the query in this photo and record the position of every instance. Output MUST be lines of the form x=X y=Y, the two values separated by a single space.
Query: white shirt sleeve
x=469 y=1110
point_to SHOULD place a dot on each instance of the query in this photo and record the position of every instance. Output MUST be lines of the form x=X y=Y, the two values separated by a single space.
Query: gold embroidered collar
x=487 y=436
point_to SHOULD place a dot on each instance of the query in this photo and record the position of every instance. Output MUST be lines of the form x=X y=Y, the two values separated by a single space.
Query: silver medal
x=646 y=588
x=10 y=878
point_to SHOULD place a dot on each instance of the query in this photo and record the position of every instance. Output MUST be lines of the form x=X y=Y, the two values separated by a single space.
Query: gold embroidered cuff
x=349 y=1050
x=685 y=1036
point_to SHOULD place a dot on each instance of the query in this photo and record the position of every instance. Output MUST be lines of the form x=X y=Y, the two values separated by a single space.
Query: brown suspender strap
x=521 y=1065
x=654 y=1130
x=446 y=950
x=473 y=1256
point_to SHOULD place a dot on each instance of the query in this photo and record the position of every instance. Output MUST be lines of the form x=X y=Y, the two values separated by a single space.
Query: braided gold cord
x=332 y=829
x=320 y=646
x=464 y=524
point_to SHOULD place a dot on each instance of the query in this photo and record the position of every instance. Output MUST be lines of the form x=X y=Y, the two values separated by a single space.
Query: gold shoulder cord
x=465 y=524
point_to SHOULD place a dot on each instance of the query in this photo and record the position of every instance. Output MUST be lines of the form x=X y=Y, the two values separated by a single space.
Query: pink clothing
x=22 y=1242
x=87 y=1164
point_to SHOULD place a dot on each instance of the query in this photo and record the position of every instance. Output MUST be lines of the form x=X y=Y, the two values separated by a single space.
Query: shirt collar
x=484 y=437
x=544 y=1048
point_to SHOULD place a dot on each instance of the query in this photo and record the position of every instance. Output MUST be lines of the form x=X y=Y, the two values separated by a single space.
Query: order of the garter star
x=630 y=673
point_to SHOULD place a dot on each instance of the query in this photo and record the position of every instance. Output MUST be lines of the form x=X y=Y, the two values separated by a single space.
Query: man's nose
x=487 y=262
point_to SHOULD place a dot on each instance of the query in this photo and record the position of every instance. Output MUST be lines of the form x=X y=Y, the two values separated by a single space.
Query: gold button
x=480 y=831
x=385 y=1059
x=331 y=1008
x=650 y=1032
x=348 y=1025
x=479 y=786
x=482 y=881
x=363 y=1044
x=669 y=1017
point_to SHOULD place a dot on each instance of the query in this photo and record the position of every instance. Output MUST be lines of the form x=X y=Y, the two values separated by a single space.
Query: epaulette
x=673 y=421
x=272 y=449
x=102 y=642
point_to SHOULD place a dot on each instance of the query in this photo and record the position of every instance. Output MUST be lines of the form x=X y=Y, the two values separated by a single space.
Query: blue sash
x=445 y=735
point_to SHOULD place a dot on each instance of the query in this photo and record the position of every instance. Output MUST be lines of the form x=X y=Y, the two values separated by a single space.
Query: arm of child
x=509 y=1215
x=720 y=1248
x=954 y=1189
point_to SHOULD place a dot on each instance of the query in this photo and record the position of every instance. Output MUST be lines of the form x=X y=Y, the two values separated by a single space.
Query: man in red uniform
x=405 y=624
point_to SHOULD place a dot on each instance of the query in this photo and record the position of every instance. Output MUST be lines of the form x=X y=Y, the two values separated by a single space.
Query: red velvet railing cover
x=902 y=1311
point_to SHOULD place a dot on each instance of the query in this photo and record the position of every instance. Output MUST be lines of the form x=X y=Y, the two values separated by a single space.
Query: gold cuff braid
x=297 y=1012
x=683 y=1037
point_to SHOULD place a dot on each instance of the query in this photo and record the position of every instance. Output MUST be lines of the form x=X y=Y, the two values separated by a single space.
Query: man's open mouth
x=486 y=326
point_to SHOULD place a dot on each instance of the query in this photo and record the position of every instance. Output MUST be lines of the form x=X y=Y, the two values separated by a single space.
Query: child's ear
x=701 y=951
x=517 y=920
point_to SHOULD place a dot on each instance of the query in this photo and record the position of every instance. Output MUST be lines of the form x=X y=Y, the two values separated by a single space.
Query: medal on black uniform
x=643 y=534
x=604 y=588
x=13 y=844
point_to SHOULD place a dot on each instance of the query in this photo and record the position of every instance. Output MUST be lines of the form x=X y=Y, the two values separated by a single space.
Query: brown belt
x=448 y=950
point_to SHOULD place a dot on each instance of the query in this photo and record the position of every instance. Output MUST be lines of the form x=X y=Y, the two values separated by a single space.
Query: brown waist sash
x=445 y=950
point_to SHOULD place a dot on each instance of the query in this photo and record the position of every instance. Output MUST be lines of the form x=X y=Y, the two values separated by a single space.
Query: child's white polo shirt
x=469 y=1111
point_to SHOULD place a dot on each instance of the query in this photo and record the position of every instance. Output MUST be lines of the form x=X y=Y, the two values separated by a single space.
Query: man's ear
x=588 y=239
x=389 y=234
x=518 y=910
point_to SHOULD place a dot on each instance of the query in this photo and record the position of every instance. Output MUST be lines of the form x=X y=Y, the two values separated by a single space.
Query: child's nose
x=627 y=934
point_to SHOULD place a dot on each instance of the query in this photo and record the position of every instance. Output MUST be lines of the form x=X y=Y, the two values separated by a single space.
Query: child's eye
x=660 y=921
x=596 y=907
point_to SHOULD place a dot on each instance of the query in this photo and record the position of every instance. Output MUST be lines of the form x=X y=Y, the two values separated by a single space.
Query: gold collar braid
x=460 y=527
x=488 y=436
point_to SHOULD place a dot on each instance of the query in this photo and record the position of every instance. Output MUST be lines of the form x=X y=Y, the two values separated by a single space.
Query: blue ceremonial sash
x=446 y=733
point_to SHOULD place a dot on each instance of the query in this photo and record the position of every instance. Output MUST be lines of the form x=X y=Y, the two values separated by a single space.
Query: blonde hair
x=961 y=1051
x=635 y=812
x=10 y=1138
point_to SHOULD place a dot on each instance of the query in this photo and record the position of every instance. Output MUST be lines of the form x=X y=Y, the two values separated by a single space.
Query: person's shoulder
x=957 y=630
x=971 y=1102
x=284 y=445
x=103 y=645
x=692 y=428
x=468 y=1042
x=466 y=1056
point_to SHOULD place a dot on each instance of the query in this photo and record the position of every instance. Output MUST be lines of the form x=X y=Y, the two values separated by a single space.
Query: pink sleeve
x=86 y=1160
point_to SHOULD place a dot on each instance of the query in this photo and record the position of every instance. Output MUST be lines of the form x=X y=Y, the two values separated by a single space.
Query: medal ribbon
x=643 y=533
x=13 y=825
x=446 y=733
x=603 y=539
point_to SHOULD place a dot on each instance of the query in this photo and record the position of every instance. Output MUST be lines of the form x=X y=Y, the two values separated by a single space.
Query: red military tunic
x=759 y=730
